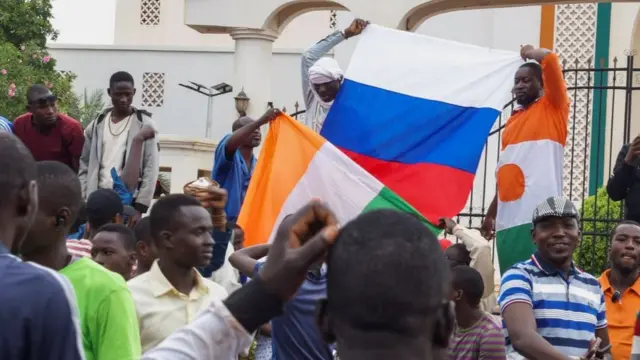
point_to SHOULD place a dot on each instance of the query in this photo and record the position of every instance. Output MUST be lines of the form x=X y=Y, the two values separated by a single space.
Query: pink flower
x=12 y=90
x=3 y=71
x=46 y=59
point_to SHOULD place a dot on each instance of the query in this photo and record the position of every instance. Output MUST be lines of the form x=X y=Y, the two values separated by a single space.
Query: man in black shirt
x=624 y=183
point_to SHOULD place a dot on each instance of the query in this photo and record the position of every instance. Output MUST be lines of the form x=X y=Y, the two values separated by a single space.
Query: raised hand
x=301 y=240
x=356 y=28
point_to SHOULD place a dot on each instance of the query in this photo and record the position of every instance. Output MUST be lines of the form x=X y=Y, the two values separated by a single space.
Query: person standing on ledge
x=532 y=154
x=322 y=76
x=109 y=140
x=234 y=160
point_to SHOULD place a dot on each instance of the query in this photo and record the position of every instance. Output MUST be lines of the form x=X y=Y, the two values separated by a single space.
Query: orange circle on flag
x=510 y=182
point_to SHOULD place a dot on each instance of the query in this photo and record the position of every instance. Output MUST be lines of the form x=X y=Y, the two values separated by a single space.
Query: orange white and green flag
x=297 y=165
x=529 y=171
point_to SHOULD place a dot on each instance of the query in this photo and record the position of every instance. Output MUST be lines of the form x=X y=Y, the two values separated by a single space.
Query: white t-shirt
x=114 y=146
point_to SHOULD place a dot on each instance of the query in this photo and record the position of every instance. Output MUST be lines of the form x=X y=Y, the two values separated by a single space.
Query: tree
x=26 y=21
x=25 y=26
x=21 y=68
x=86 y=108
x=599 y=215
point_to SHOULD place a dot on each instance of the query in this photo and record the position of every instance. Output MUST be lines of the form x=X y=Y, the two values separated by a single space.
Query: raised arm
x=555 y=89
x=623 y=172
x=131 y=170
x=480 y=253
x=245 y=260
x=320 y=49
x=240 y=136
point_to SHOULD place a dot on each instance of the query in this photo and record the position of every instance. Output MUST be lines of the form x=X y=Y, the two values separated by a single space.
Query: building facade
x=165 y=43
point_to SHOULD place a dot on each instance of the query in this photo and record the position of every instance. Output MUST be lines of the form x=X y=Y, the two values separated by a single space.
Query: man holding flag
x=532 y=157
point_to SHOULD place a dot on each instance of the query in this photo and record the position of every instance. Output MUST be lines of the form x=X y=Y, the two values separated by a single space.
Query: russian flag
x=415 y=112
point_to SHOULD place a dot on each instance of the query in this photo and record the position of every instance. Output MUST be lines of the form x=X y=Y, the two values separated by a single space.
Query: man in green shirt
x=107 y=311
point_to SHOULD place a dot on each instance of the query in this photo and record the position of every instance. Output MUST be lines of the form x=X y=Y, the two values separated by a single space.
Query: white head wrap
x=325 y=70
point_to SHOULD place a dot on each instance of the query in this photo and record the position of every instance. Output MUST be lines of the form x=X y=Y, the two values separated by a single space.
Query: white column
x=252 y=67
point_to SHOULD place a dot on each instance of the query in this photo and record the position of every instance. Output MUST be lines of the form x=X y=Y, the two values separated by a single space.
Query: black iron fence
x=599 y=123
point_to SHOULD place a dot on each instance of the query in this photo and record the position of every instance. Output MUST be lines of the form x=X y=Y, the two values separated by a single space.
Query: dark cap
x=103 y=205
x=555 y=207
x=39 y=93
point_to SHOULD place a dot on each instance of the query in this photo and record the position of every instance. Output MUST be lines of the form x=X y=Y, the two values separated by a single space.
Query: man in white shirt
x=108 y=140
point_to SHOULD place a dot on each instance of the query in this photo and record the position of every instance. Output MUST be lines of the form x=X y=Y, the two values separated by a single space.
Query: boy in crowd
x=114 y=247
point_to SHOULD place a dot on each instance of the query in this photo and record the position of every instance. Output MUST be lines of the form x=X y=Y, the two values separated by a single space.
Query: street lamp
x=242 y=103
x=210 y=92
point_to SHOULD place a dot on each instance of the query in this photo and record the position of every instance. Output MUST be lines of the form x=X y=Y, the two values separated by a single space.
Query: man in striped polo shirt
x=550 y=308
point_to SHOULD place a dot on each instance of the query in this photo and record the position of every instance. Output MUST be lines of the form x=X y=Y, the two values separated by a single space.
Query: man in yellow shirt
x=172 y=292
x=621 y=287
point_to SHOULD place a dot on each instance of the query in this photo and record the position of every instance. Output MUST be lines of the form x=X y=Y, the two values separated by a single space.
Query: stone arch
x=284 y=14
x=420 y=13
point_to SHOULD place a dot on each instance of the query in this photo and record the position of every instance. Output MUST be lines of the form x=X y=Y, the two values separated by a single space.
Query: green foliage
x=26 y=21
x=85 y=108
x=23 y=67
x=599 y=215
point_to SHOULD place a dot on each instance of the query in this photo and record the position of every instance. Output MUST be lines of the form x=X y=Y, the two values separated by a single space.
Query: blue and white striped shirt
x=6 y=125
x=567 y=311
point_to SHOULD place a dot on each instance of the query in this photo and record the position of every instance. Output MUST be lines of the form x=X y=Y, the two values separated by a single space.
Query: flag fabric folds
x=297 y=165
x=415 y=112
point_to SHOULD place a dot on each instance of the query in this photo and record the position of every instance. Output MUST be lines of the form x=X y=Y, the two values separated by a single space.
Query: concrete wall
x=172 y=30
x=183 y=112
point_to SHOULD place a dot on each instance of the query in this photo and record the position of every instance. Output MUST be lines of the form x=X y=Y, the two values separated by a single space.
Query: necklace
x=123 y=128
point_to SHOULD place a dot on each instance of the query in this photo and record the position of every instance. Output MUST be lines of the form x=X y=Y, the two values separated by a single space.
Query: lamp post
x=242 y=103
x=210 y=92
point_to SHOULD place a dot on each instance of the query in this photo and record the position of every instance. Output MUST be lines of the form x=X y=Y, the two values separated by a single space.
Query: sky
x=84 y=21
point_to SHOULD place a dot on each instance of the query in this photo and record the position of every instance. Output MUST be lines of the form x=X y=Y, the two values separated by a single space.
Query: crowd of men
x=91 y=270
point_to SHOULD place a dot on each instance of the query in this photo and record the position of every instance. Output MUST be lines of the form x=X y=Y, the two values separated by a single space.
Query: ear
x=166 y=239
x=63 y=218
x=141 y=248
x=109 y=92
x=323 y=322
x=118 y=219
x=444 y=323
x=26 y=207
x=133 y=259
x=134 y=91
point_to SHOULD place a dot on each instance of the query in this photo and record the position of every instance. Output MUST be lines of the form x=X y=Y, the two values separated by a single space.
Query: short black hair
x=240 y=122
x=58 y=186
x=143 y=230
x=37 y=91
x=127 y=236
x=536 y=69
x=465 y=255
x=385 y=270
x=623 y=222
x=121 y=76
x=17 y=167
x=468 y=280
x=165 y=211
x=102 y=206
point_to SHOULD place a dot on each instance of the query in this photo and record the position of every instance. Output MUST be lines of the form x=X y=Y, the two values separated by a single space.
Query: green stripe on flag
x=387 y=199
x=514 y=245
